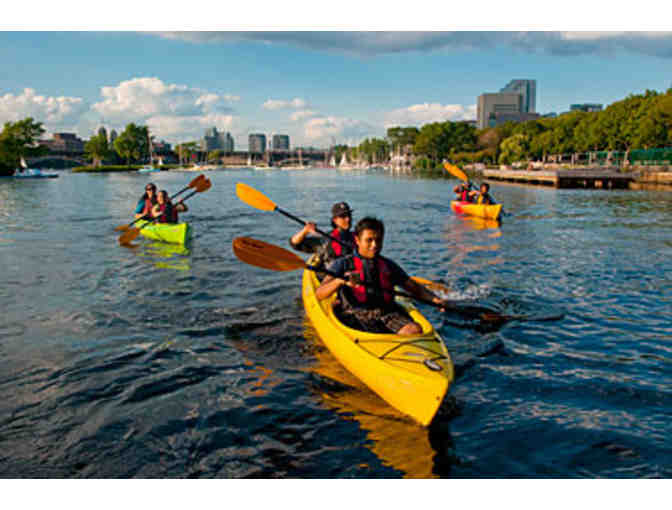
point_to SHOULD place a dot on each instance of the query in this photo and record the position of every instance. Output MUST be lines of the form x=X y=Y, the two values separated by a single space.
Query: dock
x=600 y=178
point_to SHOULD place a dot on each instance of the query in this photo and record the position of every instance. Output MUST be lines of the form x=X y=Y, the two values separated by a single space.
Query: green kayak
x=176 y=233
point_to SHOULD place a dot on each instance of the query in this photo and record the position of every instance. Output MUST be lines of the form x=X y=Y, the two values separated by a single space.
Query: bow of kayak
x=488 y=212
x=411 y=373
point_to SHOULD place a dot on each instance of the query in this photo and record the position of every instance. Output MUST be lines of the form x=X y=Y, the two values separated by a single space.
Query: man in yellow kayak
x=371 y=307
x=484 y=196
x=329 y=249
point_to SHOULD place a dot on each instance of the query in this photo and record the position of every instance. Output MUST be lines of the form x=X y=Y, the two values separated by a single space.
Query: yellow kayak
x=412 y=374
x=489 y=212
x=176 y=233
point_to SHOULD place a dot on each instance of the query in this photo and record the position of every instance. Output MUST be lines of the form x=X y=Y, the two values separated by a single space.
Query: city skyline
x=319 y=88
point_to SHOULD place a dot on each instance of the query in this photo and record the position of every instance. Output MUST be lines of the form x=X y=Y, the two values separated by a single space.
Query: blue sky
x=320 y=87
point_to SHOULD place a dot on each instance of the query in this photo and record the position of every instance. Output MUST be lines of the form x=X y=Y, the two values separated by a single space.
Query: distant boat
x=29 y=173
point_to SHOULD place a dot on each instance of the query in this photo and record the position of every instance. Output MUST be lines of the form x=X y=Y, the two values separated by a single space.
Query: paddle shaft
x=476 y=311
x=302 y=222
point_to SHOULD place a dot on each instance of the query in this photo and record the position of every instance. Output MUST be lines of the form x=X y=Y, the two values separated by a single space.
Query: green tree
x=17 y=140
x=97 y=148
x=133 y=143
x=514 y=148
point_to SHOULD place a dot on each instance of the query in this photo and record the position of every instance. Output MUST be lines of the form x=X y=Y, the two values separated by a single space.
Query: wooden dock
x=600 y=178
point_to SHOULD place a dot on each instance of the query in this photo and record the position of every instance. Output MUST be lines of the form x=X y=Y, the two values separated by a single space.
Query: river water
x=154 y=361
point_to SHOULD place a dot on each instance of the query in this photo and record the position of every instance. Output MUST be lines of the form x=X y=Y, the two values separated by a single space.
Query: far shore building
x=64 y=142
x=214 y=140
x=491 y=104
x=257 y=143
x=280 y=143
x=586 y=107
x=515 y=102
x=528 y=92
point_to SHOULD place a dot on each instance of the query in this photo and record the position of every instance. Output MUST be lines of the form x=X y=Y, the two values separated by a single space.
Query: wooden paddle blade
x=264 y=255
x=121 y=228
x=431 y=285
x=129 y=235
x=203 y=185
x=452 y=169
x=254 y=198
x=194 y=182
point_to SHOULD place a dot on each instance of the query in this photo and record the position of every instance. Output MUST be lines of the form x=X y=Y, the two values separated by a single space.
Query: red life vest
x=465 y=195
x=148 y=207
x=337 y=249
x=384 y=280
x=167 y=214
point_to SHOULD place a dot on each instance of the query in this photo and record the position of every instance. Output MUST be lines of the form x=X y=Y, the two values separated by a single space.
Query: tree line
x=640 y=121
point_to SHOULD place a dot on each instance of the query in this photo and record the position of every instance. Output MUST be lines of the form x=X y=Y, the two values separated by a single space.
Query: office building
x=528 y=91
x=257 y=143
x=215 y=140
x=586 y=107
x=280 y=142
x=490 y=104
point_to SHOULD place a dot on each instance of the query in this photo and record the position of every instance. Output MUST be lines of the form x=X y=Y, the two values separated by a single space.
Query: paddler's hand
x=352 y=279
x=309 y=228
x=443 y=304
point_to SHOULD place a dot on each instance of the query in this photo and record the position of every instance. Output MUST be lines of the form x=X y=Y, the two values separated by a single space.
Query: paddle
x=268 y=256
x=193 y=184
x=132 y=233
x=258 y=200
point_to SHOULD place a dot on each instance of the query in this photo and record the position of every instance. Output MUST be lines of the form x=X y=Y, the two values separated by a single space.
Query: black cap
x=340 y=209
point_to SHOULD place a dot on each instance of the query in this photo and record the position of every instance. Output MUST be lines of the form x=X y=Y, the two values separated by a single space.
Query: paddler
x=327 y=249
x=483 y=196
x=165 y=210
x=463 y=193
x=146 y=202
x=372 y=307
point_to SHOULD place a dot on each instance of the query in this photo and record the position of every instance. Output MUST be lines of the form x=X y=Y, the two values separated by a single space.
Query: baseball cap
x=340 y=209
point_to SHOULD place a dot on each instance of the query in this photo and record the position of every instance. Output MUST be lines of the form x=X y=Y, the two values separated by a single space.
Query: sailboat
x=150 y=167
x=345 y=164
x=29 y=173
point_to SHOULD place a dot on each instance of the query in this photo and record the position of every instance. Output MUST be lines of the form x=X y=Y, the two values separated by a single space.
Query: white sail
x=23 y=163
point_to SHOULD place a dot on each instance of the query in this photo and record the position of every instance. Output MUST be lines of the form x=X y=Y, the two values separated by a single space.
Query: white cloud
x=140 y=98
x=55 y=112
x=387 y=42
x=425 y=113
x=303 y=114
x=279 y=104
x=181 y=128
x=326 y=130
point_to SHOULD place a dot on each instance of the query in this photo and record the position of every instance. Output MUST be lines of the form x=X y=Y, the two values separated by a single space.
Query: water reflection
x=165 y=255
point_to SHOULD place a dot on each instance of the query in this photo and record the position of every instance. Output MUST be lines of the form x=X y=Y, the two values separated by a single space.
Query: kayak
x=411 y=373
x=31 y=174
x=489 y=212
x=176 y=233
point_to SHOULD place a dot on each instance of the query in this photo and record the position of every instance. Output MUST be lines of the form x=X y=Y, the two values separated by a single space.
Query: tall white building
x=528 y=91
